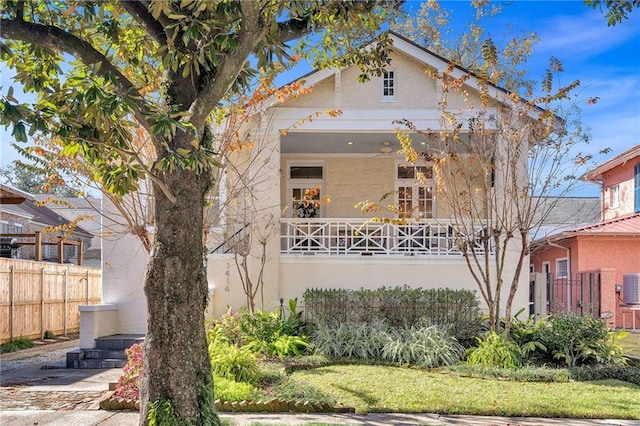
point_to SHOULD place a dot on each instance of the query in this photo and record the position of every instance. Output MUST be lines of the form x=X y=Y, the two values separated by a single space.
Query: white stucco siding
x=299 y=273
x=123 y=273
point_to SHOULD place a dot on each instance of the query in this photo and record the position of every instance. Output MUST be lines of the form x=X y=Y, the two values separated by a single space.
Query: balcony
x=354 y=237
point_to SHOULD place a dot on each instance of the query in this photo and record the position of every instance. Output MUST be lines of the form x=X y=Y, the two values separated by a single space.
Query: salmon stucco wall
x=622 y=176
x=613 y=256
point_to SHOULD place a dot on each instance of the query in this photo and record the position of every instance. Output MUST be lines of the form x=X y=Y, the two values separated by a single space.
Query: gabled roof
x=409 y=48
x=421 y=54
x=595 y=175
x=47 y=217
x=11 y=195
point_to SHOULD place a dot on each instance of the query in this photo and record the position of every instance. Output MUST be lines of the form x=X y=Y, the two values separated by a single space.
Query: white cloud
x=586 y=34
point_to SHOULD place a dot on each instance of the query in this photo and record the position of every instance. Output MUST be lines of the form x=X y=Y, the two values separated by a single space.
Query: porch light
x=350 y=143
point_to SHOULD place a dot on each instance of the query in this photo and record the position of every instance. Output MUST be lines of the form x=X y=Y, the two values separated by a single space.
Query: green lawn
x=631 y=344
x=393 y=389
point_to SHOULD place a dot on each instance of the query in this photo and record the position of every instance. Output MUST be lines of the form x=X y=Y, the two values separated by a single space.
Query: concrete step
x=118 y=341
x=104 y=353
x=108 y=353
x=97 y=363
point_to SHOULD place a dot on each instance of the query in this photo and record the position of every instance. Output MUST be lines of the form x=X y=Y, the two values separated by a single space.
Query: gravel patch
x=53 y=359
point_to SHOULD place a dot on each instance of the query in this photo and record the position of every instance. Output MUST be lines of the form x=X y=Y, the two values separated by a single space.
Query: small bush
x=129 y=383
x=264 y=333
x=351 y=340
x=576 y=340
x=230 y=390
x=494 y=351
x=230 y=361
x=425 y=347
x=16 y=345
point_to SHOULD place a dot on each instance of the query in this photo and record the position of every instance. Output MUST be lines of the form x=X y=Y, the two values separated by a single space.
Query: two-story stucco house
x=350 y=157
x=587 y=265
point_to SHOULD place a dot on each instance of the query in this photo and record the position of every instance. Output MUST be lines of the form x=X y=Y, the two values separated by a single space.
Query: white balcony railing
x=337 y=237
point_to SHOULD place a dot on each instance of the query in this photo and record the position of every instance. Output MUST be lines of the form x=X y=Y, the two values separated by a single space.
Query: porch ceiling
x=346 y=143
x=336 y=143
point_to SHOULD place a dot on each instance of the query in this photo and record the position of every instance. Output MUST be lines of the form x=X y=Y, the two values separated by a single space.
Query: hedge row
x=458 y=310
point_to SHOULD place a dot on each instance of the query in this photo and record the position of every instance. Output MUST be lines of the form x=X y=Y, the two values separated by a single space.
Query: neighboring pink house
x=586 y=265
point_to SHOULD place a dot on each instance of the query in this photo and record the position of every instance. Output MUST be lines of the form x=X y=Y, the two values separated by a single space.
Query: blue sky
x=605 y=59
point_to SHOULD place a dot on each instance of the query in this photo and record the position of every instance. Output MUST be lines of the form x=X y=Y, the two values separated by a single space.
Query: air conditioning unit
x=631 y=289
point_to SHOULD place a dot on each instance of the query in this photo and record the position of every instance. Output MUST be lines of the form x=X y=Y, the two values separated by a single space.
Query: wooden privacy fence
x=36 y=297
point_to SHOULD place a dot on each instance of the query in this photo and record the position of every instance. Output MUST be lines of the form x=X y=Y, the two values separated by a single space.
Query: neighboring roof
x=47 y=217
x=595 y=175
x=11 y=195
x=623 y=226
x=626 y=225
x=573 y=210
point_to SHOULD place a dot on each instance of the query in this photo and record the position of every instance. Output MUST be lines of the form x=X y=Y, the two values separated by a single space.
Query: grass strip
x=394 y=389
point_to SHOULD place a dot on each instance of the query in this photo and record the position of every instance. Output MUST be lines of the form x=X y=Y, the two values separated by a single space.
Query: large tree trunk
x=177 y=366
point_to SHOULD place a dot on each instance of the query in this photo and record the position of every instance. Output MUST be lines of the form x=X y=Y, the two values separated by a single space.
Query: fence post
x=42 y=303
x=12 y=301
x=60 y=250
x=66 y=307
x=38 y=246
x=80 y=250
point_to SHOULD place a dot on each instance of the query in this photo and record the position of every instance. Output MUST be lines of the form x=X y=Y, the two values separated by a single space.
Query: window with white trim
x=389 y=85
x=5 y=227
x=562 y=268
x=414 y=189
x=615 y=197
x=305 y=182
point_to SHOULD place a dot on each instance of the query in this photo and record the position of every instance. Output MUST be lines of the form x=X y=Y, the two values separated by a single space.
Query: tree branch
x=59 y=40
x=249 y=37
x=140 y=12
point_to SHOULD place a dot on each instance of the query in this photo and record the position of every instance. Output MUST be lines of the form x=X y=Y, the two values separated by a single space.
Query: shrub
x=16 y=345
x=285 y=346
x=351 y=340
x=230 y=390
x=424 y=347
x=263 y=332
x=129 y=383
x=400 y=307
x=576 y=340
x=230 y=361
x=494 y=351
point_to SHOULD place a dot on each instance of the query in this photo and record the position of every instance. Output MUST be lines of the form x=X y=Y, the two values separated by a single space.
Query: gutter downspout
x=568 y=250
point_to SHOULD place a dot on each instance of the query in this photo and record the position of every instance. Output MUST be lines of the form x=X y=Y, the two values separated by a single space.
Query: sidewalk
x=66 y=397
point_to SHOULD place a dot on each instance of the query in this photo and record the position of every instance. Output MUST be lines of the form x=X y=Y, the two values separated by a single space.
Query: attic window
x=389 y=86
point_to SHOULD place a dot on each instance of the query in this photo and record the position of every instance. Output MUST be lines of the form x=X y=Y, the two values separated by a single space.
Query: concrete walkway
x=35 y=396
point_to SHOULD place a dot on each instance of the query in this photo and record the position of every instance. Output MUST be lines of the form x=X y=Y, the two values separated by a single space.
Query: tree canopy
x=104 y=69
